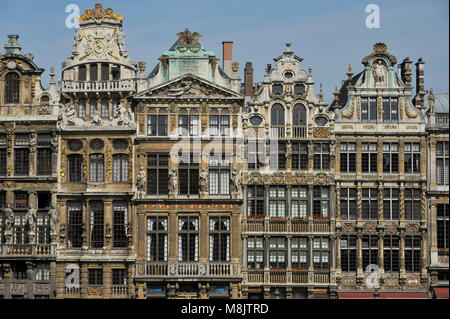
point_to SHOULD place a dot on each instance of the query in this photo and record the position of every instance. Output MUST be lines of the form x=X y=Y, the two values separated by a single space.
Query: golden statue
x=88 y=14
x=109 y=13
x=188 y=38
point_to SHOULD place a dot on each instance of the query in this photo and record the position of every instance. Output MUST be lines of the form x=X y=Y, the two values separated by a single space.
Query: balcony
x=187 y=269
x=286 y=226
x=299 y=131
x=286 y=277
x=99 y=86
x=119 y=290
x=278 y=131
x=28 y=250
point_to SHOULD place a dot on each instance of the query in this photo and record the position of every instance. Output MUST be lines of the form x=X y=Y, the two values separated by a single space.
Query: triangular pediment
x=188 y=86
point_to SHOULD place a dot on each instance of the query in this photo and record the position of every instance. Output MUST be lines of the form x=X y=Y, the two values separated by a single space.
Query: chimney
x=227 y=57
x=420 y=88
x=248 y=79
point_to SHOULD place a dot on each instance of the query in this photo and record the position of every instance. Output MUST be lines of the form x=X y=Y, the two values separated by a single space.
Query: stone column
x=236 y=250
x=359 y=202
x=380 y=201
x=310 y=156
x=432 y=164
x=83 y=280
x=401 y=203
x=289 y=253
x=310 y=204
x=141 y=237
x=338 y=202
x=108 y=221
x=402 y=252
x=331 y=212
x=107 y=281
x=423 y=156
x=380 y=156
x=244 y=252
x=360 y=269
x=203 y=237
x=358 y=156
x=401 y=157
x=173 y=240
x=381 y=252
x=338 y=254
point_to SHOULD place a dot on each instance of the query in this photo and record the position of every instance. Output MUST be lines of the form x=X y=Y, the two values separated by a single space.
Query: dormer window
x=256 y=120
x=369 y=109
x=288 y=75
x=12 y=84
x=321 y=121
x=299 y=89
x=277 y=89
x=390 y=110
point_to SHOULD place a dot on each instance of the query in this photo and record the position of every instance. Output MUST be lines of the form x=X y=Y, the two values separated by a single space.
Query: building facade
x=381 y=181
x=186 y=182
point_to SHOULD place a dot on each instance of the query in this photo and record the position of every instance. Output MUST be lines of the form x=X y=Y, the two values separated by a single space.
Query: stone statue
x=378 y=72
x=32 y=143
x=54 y=142
x=121 y=43
x=288 y=149
x=173 y=181
x=236 y=180
x=141 y=180
x=125 y=116
x=31 y=218
x=203 y=181
x=76 y=39
x=9 y=218
x=333 y=148
x=96 y=119
x=66 y=115
x=53 y=216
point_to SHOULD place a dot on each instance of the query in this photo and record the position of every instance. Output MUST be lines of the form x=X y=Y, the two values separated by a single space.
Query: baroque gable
x=188 y=87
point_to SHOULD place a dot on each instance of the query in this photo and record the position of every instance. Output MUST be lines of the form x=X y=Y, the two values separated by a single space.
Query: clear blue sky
x=327 y=34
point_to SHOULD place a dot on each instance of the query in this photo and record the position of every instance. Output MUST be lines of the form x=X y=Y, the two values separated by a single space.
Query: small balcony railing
x=186 y=269
x=286 y=277
x=28 y=249
x=278 y=131
x=119 y=290
x=299 y=131
x=97 y=86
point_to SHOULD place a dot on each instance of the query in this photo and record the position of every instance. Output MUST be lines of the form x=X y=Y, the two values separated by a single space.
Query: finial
x=321 y=90
x=52 y=75
x=288 y=46
x=310 y=70
x=336 y=94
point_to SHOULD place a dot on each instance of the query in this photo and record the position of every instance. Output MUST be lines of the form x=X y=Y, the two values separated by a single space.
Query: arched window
x=277 y=114
x=93 y=74
x=299 y=115
x=12 y=84
x=45 y=100
x=105 y=72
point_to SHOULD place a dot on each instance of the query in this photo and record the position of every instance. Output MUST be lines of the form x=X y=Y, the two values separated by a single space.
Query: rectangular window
x=278 y=156
x=157 y=238
x=189 y=175
x=119 y=277
x=97 y=224
x=255 y=253
x=42 y=272
x=42 y=228
x=219 y=176
x=299 y=202
x=391 y=254
x=390 y=204
x=256 y=154
x=321 y=156
x=320 y=202
x=255 y=201
x=20 y=200
x=348 y=253
x=219 y=239
x=157 y=125
x=442 y=163
x=75 y=166
x=188 y=238
x=369 y=157
x=299 y=253
x=188 y=125
x=299 y=156
x=2 y=154
x=321 y=254
x=120 y=222
x=219 y=125
x=442 y=216
x=74 y=225
x=277 y=202
x=44 y=161
x=369 y=251
x=96 y=165
x=369 y=109
x=412 y=203
x=412 y=158
x=412 y=253
x=21 y=161
x=120 y=168
x=370 y=203
x=157 y=174
x=348 y=203
x=348 y=157
x=390 y=157
x=277 y=252
x=390 y=110
x=95 y=277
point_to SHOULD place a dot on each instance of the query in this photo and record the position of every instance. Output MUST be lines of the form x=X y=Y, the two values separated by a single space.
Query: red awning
x=355 y=295
x=403 y=295
x=441 y=293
